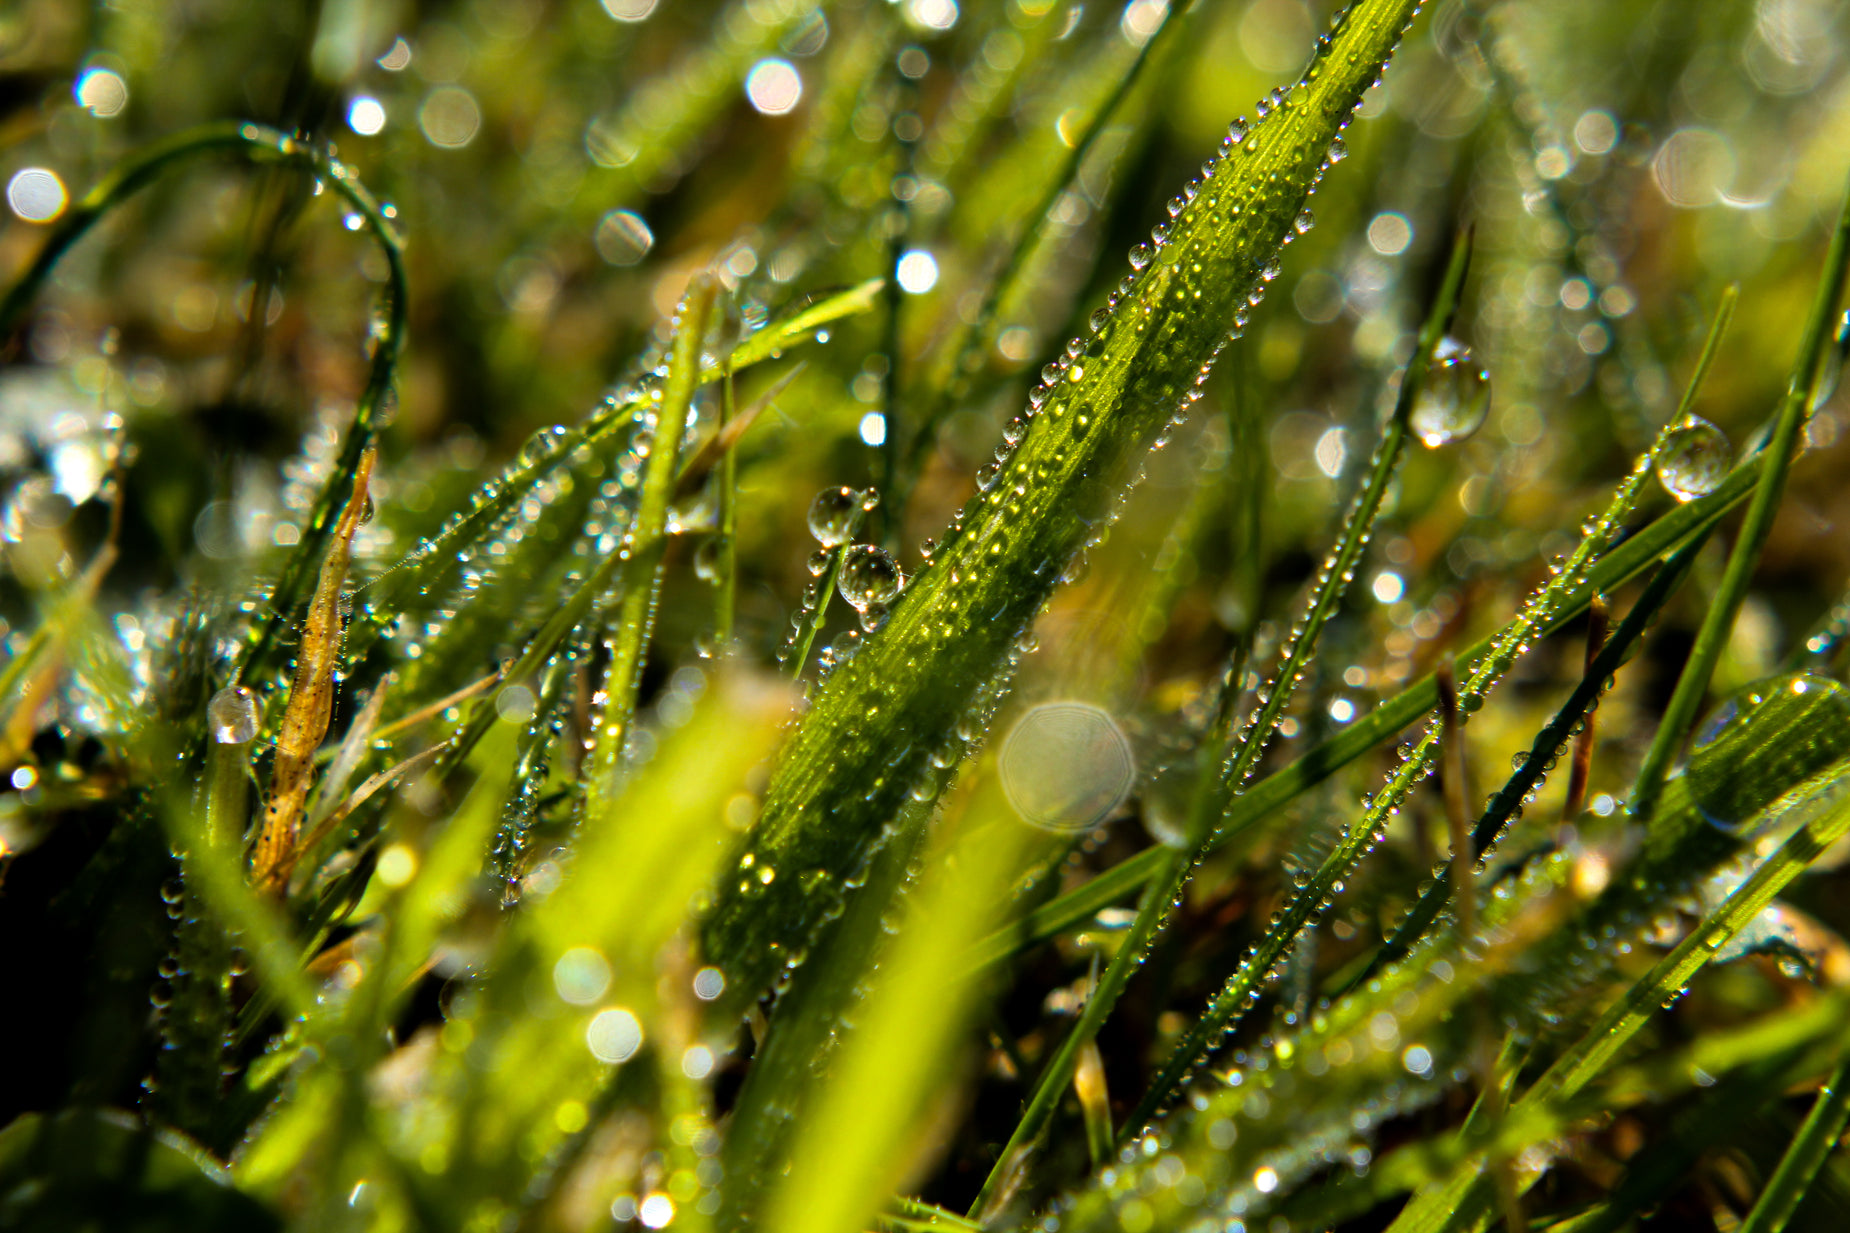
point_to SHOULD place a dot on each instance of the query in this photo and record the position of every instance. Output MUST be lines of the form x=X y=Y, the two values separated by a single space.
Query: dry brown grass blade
x=311 y=702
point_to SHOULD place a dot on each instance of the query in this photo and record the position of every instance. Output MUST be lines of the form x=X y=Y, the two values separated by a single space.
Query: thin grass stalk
x=1559 y=730
x=1461 y=1201
x=727 y=553
x=1693 y=684
x=1797 y=1169
x=636 y=615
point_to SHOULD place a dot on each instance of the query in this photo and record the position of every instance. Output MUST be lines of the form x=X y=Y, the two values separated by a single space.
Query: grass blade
x=864 y=745
x=1693 y=684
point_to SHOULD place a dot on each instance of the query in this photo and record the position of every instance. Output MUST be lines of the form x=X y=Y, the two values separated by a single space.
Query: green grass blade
x=1229 y=764
x=1455 y=1204
x=865 y=744
x=636 y=614
x=1817 y=1138
x=1622 y=563
x=1548 y=743
x=1693 y=684
x=975 y=336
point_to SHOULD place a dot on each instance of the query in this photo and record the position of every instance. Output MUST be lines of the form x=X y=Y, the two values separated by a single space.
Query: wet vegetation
x=759 y=614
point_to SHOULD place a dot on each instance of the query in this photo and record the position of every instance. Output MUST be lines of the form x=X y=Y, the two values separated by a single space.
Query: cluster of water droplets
x=865 y=575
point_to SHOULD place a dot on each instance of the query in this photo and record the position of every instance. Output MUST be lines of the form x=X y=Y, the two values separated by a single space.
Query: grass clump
x=435 y=804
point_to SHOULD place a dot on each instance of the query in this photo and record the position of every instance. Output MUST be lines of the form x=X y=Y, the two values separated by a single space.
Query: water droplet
x=1454 y=398
x=1305 y=221
x=835 y=514
x=1694 y=460
x=1764 y=741
x=1141 y=255
x=1832 y=370
x=232 y=714
x=706 y=560
x=1066 y=766
x=869 y=576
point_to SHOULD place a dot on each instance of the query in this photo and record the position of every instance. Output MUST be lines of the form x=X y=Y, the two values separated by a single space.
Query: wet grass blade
x=1801 y=388
x=1627 y=560
x=861 y=749
x=967 y=352
x=636 y=613
x=1458 y=1202
x=1227 y=763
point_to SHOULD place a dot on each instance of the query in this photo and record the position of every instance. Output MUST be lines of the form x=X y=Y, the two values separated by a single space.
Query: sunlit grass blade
x=1227 y=763
x=861 y=749
x=1794 y=408
x=635 y=618
x=851 y=1146
x=593 y=949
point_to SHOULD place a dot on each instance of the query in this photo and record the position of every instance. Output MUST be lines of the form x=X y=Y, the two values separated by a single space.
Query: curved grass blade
x=259 y=144
x=1227 y=763
x=1801 y=389
x=861 y=749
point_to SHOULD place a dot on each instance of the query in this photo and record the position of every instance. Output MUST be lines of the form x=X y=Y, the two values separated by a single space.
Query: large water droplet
x=1765 y=741
x=232 y=714
x=869 y=575
x=834 y=515
x=1454 y=398
x=1694 y=460
x=1066 y=766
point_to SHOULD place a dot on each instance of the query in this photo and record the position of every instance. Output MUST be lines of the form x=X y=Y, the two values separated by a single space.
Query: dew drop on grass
x=232 y=714
x=1454 y=398
x=1694 y=460
x=1763 y=742
x=834 y=514
x=1832 y=370
x=706 y=560
x=1066 y=766
x=869 y=576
